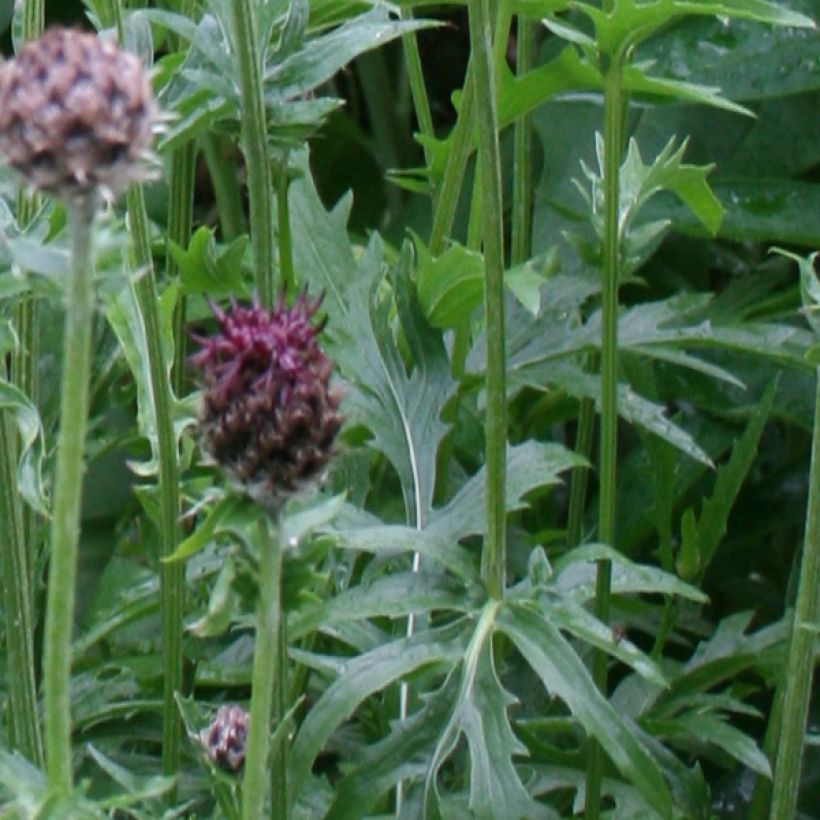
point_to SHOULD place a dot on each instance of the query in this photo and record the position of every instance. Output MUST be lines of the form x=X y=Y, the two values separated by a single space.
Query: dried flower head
x=225 y=737
x=76 y=113
x=269 y=415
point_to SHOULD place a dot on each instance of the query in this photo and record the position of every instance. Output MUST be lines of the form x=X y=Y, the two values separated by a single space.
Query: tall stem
x=614 y=111
x=65 y=525
x=268 y=687
x=800 y=660
x=493 y=562
x=224 y=174
x=522 y=157
x=255 y=146
x=171 y=578
x=415 y=76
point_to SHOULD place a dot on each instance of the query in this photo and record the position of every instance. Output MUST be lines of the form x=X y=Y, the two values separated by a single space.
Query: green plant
x=483 y=608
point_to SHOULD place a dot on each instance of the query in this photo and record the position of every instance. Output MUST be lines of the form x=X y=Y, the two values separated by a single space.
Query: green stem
x=180 y=220
x=522 y=157
x=268 y=686
x=65 y=525
x=255 y=146
x=799 y=667
x=224 y=175
x=171 y=577
x=450 y=187
x=415 y=76
x=614 y=117
x=23 y=715
x=580 y=475
x=489 y=161
x=284 y=235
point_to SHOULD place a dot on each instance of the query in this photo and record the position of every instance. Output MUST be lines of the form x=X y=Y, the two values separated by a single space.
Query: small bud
x=225 y=737
x=76 y=113
x=269 y=416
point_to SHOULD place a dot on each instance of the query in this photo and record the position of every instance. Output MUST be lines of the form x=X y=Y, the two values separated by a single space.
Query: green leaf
x=450 y=286
x=402 y=410
x=771 y=210
x=480 y=714
x=206 y=531
x=393 y=596
x=360 y=677
x=137 y=788
x=389 y=541
x=530 y=465
x=697 y=728
x=809 y=286
x=575 y=575
x=564 y=675
x=714 y=517
x=748 y=61
x=205 y=268
x=380 y=766
x=32 y=452
x=223 y=605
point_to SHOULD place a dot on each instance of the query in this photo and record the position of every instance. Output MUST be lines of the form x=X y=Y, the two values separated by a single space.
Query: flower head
x=269 y=415
x=76 y=113
x=225 y=737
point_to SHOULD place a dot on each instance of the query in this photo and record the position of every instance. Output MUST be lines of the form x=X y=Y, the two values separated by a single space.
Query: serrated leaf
x=381 y=765
x=360 y=677
x=575 y=575
x=401 y=409
x=392 y=596
x=26 y=418
x=564 y=675
x=222 y=605
x=714 y=518
x=479 y=713
x=530 y=465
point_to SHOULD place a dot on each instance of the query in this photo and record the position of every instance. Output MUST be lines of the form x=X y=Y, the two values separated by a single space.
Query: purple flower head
x=269 y=415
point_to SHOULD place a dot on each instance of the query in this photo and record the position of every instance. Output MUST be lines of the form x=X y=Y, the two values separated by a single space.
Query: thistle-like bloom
x=225 y=737
x=76 y=113
x=269 y=415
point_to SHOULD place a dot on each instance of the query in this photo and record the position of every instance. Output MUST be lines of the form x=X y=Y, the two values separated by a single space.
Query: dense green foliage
x=554 y=564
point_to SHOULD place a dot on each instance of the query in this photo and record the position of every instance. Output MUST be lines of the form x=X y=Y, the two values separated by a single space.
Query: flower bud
x=269 y=416
x=225 y=737
x=76 y=113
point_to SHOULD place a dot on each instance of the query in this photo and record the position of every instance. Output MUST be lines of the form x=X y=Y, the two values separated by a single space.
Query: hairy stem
x=65 y=525
x=268 y=687
x=493 y=560
x=614 y=116
x=255 y=146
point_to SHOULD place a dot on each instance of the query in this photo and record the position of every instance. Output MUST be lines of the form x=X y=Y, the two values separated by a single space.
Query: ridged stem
x=579 y=483
x=65 y=525
x=448 y=191
x=180 y=220
x=800 y=660
x=23 y=714
x=267 y=687
x=415 y=77
x=522 y=157
x=171 y=574
x=614 y=116
x=284 y=235
x=255 y=146
x=493 y=559
x=224 y=175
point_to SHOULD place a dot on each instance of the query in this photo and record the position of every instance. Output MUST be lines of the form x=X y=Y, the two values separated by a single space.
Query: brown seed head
x=76 y=113
x=269 y=416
